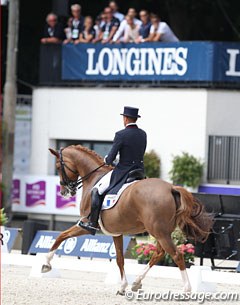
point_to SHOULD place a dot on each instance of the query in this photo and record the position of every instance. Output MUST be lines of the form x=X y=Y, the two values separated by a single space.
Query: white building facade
x=176 y=120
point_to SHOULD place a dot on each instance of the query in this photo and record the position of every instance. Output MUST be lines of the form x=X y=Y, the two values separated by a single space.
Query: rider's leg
x=96 y=204
x=103 y=183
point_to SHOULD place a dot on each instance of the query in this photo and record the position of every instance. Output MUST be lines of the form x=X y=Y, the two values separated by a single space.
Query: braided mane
x=92 y=153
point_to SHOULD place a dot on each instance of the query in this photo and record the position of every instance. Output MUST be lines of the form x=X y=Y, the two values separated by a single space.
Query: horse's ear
x=54 y=152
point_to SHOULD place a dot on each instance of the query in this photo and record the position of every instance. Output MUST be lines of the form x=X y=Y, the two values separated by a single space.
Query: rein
x=73 y=184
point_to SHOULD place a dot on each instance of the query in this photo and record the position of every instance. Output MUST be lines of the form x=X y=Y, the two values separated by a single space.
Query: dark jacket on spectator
x=77 y=27
x=56 y=31
x=108 y=26
x=145 y=29
x=92 y=32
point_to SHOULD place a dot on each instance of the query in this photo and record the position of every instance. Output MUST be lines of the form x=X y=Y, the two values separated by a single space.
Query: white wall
x=223 y=113
x=174 y=119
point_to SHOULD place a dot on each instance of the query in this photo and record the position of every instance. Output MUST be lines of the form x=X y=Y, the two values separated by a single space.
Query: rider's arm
x=117 y=142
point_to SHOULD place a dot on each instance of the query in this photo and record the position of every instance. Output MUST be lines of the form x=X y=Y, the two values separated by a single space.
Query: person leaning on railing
x=53 y=31
x=88 y=33
x=109 y=27
x=144 y=29
x=160 y=31
x=131 y=33
x=75 y=23
x=118 y=37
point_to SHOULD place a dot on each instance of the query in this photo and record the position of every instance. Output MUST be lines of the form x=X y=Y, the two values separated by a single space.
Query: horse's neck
x=84 y=163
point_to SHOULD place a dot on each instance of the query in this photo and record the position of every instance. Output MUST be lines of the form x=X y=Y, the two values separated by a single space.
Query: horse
x=149 y=205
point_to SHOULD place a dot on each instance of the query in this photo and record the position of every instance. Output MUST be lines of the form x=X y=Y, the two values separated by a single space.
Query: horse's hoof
x=46 y=268
x=187 y=288
x=136 y=286
x=120 y=292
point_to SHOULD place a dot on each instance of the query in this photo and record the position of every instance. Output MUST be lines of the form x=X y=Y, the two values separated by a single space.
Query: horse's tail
x=191 y=216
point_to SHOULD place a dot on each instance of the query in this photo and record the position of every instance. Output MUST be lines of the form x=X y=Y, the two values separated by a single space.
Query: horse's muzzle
x=66 y=193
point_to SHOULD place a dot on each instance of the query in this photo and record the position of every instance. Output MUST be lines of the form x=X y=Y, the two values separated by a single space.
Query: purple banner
x=16 y=191
x=222 y=190
x=36 y=193
x=62 y=202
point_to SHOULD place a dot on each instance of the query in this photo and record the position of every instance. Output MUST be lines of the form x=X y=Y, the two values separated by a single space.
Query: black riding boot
x=96 y=205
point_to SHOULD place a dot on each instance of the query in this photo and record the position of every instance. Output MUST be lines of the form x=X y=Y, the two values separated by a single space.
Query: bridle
x=73 y=185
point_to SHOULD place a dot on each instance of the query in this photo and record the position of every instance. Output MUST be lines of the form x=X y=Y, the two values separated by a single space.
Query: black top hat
x=131 y=112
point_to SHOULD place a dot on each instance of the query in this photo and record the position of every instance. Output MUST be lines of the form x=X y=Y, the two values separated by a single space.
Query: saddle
x=136 y=174
x=111 y=199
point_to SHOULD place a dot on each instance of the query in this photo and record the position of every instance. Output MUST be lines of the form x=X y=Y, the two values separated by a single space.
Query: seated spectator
x=109 y=28
x=145 y=26
x=118 y=37
x=76 y=23
x=114 y=6
x=132 y=30
x=88 y=33
x=53 y=31
x=160 y=31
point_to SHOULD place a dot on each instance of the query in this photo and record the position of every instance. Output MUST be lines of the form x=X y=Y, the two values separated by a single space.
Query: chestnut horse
x=150 y=205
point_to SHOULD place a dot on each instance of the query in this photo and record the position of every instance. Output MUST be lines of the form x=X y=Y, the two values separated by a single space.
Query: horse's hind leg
x=118 y=242
x=178 y=258
x=137 y=284
x=71 y=232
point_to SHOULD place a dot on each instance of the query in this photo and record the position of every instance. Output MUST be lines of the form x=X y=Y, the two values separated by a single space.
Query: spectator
x=88 y=33
x=160 y=31
x=97 y=26
x=145 y=26
x=132 y=30
x=121 y=30
x=114 y=6
x=110 y=26
x=76 y=23
x=53 y=31
x=68 y=29
x=102 y=21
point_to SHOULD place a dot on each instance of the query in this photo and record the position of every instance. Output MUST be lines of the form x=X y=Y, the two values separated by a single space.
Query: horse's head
x=67 y=173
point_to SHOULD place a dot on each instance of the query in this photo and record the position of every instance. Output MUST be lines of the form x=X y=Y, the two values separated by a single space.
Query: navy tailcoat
x=130 y=143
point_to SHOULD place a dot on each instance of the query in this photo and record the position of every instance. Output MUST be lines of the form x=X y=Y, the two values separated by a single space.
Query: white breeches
x=103 y=183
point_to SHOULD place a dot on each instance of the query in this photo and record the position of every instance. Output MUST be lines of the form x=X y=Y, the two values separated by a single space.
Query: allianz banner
x=177 y=62
x=9 y=236
x=84 y=246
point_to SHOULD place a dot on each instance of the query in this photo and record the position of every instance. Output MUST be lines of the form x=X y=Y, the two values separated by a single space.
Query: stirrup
x=86 y=226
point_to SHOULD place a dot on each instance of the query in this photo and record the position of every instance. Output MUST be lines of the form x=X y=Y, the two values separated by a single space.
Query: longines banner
x=184 y=61
x=41 y=194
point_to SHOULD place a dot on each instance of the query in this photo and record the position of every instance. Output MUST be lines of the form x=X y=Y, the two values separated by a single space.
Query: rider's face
x=125 y=120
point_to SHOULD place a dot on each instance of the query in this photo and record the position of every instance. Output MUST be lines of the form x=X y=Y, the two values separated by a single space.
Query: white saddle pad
x=110 y=200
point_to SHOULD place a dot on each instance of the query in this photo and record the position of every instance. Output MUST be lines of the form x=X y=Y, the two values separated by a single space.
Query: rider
x=130 y=143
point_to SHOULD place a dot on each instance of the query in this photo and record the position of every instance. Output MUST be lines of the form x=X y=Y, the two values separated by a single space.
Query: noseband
x=73 y=185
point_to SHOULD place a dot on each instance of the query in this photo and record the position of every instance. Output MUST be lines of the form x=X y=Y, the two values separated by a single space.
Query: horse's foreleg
x=118 y=242
x=178 y=258
x=137 y=284
x=71 y=232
